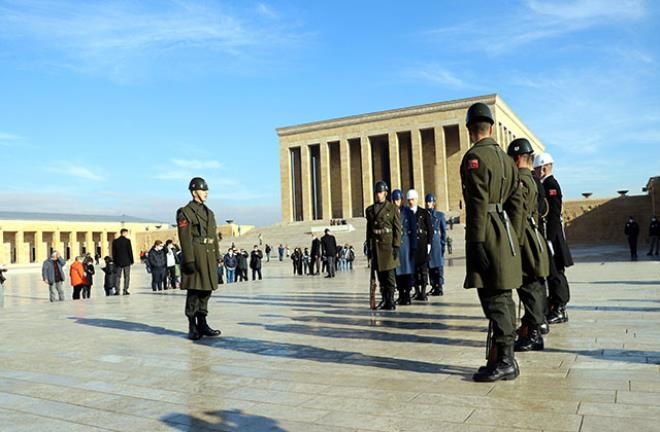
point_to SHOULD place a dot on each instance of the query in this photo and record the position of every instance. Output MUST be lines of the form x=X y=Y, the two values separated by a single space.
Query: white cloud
x=587 y=10
x=193 y=164
x=437 y=75
x=74 y=170
x=8 y=139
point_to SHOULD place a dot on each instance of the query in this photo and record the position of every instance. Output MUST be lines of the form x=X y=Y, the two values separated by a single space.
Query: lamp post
x=586 y=195
x=622 y=192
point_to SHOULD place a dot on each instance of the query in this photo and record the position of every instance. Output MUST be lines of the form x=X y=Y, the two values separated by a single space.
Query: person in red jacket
x=77 y=274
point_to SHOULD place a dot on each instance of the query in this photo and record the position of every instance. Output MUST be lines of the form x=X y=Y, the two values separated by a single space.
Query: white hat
x=543 y=159
x=412 y=194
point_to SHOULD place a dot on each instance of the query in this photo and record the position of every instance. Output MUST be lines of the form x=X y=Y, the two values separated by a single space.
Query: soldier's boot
x=406 y=297
x=415 y=297
x=531 y=340
x=193 y=333
x=402 y=297
x=422 y=293
x=557 y=315
x=204 y=328
x=437 y=290
x=389 y=301
x=504 y=369
x=491 y=361
x=544 y=327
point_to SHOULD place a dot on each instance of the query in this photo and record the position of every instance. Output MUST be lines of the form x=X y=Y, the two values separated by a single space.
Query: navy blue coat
x=437 y=255
x=408 y=241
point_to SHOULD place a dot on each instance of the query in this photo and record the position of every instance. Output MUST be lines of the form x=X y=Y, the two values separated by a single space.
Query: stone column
x=21 y=252
x=57 y=243
x=4 y=258
x=286 y=188
x=40 y=252
x=326 y=194
x=441 y=175
x=105 y=249
x=367 y=171
x=347 y=192
x=89 y=243
x=395 y=161
x=306 y=183
x=417 y=161
x=74 y=247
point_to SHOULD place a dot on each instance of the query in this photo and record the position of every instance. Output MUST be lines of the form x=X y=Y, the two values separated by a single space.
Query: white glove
x=428 y=249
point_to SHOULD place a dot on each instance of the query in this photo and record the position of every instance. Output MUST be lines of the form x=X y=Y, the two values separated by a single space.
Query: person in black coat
x=122 y=255
x=631 y=230
x=157 y=264
x=88 y=265
x=110 y=279
x=255 y=262
x=329 y=251
x=424 y=237
x=558 y=289
x=315 y=256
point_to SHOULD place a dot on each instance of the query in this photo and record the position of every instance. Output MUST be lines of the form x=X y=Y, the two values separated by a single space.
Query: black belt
x=204 y=240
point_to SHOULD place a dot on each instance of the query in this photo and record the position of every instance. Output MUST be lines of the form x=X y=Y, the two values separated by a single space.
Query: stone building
x=31 y=237
x=328 y=168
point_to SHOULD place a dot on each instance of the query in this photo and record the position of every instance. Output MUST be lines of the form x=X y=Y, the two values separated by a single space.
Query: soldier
x=404 y=272
x=560 y=255
x=384 y=239
x=438 y=242
x=490 y=191
x=631 y=230
x=200 y=256
x=533 y=250
x=424 y=236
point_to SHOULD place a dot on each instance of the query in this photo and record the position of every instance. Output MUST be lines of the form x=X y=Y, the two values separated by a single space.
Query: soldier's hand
x=395 y=253
x=189 y=268
x=477 y=256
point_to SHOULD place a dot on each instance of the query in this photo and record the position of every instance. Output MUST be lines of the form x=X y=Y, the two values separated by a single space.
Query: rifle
x=372 y=289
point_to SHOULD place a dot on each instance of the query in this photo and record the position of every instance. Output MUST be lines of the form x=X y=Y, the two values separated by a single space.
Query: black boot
x=193 y=333
x=420 y=293
x=557 y=315
x=504 y=369
x=544 y=327
x=204 y=328
x=437 y=290
x=402 y=297
x=530 y=340
x=388 y=301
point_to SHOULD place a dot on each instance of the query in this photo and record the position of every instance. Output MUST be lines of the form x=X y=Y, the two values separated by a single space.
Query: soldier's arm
x=429 y=227
x=443 y=230
x=184 y=229
x=476 y=177
x=396 y=228
x=515 y=203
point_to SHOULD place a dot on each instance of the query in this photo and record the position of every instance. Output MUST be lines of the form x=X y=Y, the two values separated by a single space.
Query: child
x=110 y=276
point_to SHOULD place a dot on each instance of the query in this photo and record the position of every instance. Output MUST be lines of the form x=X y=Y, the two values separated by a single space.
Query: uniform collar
x=485 y=141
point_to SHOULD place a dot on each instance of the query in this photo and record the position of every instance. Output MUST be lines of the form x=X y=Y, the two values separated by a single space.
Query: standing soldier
x=384 y=239
x=490 y=191
x=200 y=257
x=559 y=291
x=424 y=235
x=437 y=254
x=406 y=268
x=533 y=248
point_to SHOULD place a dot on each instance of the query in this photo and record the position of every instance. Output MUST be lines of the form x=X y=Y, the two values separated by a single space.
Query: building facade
x=328 y=168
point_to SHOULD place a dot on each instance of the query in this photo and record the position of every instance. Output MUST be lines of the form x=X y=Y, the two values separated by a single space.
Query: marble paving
x=304 y=353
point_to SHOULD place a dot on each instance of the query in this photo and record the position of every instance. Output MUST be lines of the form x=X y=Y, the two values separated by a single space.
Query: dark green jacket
x=490 y=185
x=383 y=235
x=532 y=243
x=199 y=244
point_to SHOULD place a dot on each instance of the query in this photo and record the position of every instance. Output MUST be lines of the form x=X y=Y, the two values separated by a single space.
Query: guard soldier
x=533 y=248
x=631 y=230
x=493 y=207
x=560 y=255
x=424 y=236
x=406 y=268
x=200 y=256
x=384 y=240
x=438 y=242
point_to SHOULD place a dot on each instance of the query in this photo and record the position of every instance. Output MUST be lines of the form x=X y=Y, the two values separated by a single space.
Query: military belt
x=382 y=230
x=495 y=208
x=204 y=240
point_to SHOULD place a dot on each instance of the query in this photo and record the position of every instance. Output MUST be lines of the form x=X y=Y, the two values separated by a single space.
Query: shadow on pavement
x=227 y=420
x=128 y=326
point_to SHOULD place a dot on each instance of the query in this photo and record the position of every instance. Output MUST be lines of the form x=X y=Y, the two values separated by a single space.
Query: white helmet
x=543 y=159
x=412 y=194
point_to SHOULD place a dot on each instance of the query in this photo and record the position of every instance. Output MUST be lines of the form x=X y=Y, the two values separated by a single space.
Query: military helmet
x=380 y=186
x=429 y=197
x=198 y=183
x=478 y=112
x=397 y=194
x=543 y=159
x=519 y=146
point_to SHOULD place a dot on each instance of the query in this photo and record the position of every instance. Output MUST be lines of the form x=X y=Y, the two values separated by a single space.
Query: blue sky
x=109 y=107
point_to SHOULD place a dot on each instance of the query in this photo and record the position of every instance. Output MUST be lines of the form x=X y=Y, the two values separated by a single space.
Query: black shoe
x=126 y=292
x=437 y=290
x=204 y=328
x=544 y=328
x=533 y=341
x=153 y=289
x=557 y=316
x=420 y=294
x=193 y=333
x=504 y=369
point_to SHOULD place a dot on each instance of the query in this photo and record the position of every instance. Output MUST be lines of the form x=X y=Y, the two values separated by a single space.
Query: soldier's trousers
x=437 y=276
x=197 y=302
x=532 y=296
x=558 y=291
x=387 y=281
x=498 y=306
x=421 y=275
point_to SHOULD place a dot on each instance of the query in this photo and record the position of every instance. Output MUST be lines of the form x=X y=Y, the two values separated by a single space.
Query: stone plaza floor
x=302 y=353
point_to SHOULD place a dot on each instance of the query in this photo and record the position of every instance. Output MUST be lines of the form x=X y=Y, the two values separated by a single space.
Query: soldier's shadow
x=127 y=326
x=618 y=355
x=221 y=420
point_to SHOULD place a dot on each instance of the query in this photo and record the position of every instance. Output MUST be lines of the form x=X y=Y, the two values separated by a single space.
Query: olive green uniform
x=534 y=254
x=199 y=247
x=493 y=209
x=384 y=240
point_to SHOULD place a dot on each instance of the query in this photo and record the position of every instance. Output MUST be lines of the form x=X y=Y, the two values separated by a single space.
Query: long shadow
x=621 y=282
x=400 y=313
x=227 y=420
x=380 y=322
x=367 y=334
x=322 y=355
x=627 y=356
x=616 y=308
x=127 y=326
